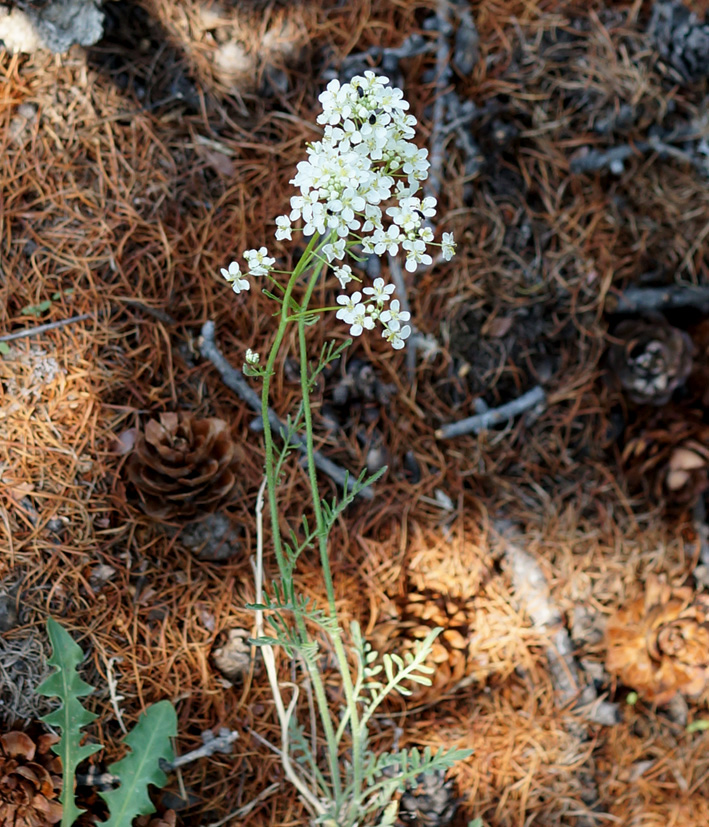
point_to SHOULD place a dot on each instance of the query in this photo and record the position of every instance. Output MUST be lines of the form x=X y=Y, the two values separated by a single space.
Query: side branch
x=234 y=380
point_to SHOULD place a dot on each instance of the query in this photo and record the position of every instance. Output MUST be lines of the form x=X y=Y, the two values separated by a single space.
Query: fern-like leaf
x=66 y=684
x=149 y=741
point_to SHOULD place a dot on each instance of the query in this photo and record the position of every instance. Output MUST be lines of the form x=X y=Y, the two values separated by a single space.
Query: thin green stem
x=284 y=566
x=265 y=388
x=340 y=653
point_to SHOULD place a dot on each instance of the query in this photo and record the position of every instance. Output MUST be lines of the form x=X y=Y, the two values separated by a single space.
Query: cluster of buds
x=359 y=189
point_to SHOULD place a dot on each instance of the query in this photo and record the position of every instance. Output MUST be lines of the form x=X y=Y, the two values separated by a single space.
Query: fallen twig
x=444 y=72
x=234 y=379
x=357 y=62
x=495 y=416
x=566 y=674
x=533 y=595
x=155 y=312
x=212 y=743
x=642 y=299
x=43 y=328
x=613 y=158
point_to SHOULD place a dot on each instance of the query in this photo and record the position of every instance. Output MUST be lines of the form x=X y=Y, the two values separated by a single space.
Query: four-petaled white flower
x=416 y=254
x=259 y=262
x=360 y=320
x=283 y=228
x=343 y=275
x=448 y=246
x=393 y=316
x=336 y=250
x=380 y=292
x=396 y=338
x=350 y=303
x=234 y=276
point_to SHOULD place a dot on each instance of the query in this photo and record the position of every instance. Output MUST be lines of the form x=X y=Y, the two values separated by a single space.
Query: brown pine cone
x=430 y=802
x=652 y=359
x=182 y=466
x=659 y=643
x=415 y=619
x=669 y=462
x=30 y=781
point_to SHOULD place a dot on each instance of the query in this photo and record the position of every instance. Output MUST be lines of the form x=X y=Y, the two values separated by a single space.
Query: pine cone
x=659 y=643
x=652 y=360
x=30 y=781
x=431 y=803
x=681 y=39
x=416 y=618
x=233 y=658
x=669 y=462
x=182 y=466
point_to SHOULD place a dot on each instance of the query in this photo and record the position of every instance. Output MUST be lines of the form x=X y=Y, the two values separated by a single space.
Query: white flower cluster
x=260 y=264
x=366 y=159
x=362 y=314
x=359 y=188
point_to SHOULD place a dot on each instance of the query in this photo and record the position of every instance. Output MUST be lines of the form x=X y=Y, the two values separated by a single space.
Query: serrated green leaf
x=65 y=683
x=149 y=741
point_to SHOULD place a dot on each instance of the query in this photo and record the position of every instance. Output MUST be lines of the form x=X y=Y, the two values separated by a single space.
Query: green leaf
x=66 y=684
x=36 y=309
x=698 y=726
x=4 y=348
x=149 y=741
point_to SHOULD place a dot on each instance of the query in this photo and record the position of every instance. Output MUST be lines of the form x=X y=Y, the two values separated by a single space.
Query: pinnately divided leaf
x=66 y=684
x=149 y=741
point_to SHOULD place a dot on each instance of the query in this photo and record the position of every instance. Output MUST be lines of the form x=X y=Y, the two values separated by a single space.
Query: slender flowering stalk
x=357 y=194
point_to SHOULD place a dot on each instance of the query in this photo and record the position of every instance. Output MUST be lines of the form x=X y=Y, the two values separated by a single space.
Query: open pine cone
x=182 y=466
x=669 y=462
x=30 y=781
x=652 y=359
x=430 y=802
x=415 y=619
x=659 y=643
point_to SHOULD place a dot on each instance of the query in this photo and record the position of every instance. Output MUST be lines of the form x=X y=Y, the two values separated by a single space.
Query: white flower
x=234 y=277
x=350 y=304
x=448 y=246
x=252 y=358
x=335 y=250
x=259 y=261
x=360 y=320
x=234 y=271
x=416 y=254
x=283 y=226
x=343 y=275
x=396 y=337
x=387 y=242
x=393 y=316
x=380 y=292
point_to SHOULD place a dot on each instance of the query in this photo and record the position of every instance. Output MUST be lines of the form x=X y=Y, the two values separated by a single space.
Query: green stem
x=284 y=567
x=323 y=547
x=265 y=388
